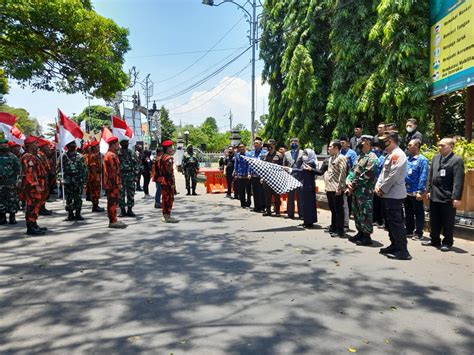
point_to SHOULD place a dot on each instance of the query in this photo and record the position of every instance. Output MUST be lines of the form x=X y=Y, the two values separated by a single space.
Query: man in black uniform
x=445 y=186
x=276 y=158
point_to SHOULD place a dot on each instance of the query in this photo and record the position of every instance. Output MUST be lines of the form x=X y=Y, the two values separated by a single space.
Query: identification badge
x=442 y=172
x=410 y=171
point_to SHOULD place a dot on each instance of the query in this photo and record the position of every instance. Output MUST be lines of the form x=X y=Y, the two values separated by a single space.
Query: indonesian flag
x=104 y=146
x=7 y=126
x=16 y=136
x=121 y=130
x=69 y=131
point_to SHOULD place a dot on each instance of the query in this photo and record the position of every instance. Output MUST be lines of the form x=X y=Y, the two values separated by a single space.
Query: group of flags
x=68 y=131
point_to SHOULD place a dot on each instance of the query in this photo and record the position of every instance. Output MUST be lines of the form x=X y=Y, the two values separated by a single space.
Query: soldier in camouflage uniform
x=75 y=173
x=128 y=171
x=361 y=183
x=9 y=171
x=190 y=167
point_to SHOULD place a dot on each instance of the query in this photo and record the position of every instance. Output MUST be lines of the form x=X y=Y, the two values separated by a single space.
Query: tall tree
x=167 y=126
x=96 y=117
x=209 y=126
x=62 y=45
x=28 y=125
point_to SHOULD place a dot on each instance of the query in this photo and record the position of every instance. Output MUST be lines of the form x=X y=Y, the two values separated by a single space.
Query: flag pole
x=61 y=157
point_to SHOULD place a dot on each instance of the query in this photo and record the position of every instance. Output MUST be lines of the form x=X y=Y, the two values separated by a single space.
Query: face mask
x=294 y=146
x=410 y=129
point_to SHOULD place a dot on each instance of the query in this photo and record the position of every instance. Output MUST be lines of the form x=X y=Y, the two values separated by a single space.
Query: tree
x=3 y=85
x=209 y=126
x=96 y=117
x=24 y=122
x=62 y=45
x=167 y=126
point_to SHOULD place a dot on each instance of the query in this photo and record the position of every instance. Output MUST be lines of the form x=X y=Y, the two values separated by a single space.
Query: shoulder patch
x=394 y=158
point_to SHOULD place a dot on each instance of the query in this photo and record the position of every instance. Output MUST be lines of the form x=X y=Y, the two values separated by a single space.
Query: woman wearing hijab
x=307 y=176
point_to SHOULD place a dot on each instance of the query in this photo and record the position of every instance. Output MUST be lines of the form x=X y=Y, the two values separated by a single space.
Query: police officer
x=391 y=188
x=75 y=173
x=190 y=166
x=361 y=183
x=9 y=172
x=128 y=173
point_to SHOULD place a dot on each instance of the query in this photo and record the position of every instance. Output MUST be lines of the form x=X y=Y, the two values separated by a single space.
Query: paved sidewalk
x=225 y=281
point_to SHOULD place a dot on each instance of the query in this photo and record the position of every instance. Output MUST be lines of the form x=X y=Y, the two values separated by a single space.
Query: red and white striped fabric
x=16 y=136
x=7 y=126
x=121 y=130
x=104 y=146
x=69 y=131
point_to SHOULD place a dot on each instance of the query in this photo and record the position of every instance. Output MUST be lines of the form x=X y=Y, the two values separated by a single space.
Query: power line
x=205 y=53
x=183 y=53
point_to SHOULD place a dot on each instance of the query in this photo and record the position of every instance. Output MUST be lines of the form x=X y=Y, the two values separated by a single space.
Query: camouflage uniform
x=75 y=173
x=363 y=177
x=190 y=166
x=9 y=172
x=128 y=173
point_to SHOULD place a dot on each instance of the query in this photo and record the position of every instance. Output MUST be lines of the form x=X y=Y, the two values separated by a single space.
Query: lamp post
x=186 y=136
x=253 y=20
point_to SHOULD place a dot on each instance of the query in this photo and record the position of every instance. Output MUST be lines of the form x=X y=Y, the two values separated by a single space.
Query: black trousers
x=146 y=182
x=269 y=193
x=393 y=211
x=336 y=205
x=442 y=217
x=230 y=179
x=244 y=191
x=414 y=216
x=290 y=207
x=258 y=196
x=378 y=210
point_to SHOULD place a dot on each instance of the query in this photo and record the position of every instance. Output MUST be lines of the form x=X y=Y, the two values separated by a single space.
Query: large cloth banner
x=274 y=175
x=452 y=45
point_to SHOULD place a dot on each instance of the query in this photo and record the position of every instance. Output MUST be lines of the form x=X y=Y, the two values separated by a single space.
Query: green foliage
x=462 y=148
x=209 y=126
x=167 y=126
x=62 y=45
x=24 y=122
x=96 y=117
x=3 y=85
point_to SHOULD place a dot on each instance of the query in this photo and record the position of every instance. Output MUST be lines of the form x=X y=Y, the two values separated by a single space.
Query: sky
x=162 y=35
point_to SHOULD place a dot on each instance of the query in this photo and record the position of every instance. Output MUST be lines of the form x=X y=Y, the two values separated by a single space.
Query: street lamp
x=186 y=136
x=253 y=20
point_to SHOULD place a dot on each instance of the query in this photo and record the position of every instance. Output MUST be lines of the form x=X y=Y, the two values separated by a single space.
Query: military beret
x=12 y=144
x=167 y=143
x=31 y=139
x=112 y=139
x=86 y=145
x=94 y=143
x=42 y=142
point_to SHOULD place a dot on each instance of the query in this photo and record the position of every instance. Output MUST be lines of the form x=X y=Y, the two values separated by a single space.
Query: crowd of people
x=371 y=177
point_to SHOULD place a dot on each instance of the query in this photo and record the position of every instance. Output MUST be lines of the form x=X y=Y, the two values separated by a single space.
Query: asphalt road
x=225 y=281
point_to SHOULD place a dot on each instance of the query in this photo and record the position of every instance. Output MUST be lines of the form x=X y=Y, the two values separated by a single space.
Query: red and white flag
x=121 y=130
x=7 y=126
x=104 y=146
x=69 y=131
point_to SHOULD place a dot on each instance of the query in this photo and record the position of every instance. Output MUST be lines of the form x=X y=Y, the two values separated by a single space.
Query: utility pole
x=230 y=119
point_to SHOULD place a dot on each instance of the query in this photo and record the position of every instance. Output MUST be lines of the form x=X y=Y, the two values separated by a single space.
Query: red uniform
x=45 y=165
x=165 y=176
x=94 y=168
x=32 y=185
x=112 y=183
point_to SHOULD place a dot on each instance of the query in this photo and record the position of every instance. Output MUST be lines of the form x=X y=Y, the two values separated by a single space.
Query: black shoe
x=445 y=248
x=130 y=213
x=188 y=193
x=157 y=205
x=70 y=216
x=399 y=255
x=266 y=214
x=41 y=228
x=123 y=213
x=329 y=229
x=3 y=218
x=139 y=188
x=355 y=238
x=12 y=219
x=44 y=212
x=429 y=243
x=277 y=215
x=194 y=193
x=96 y=208
x=32 y=230
x=388 y=250
x=308 y=226
x=78 y=216
x=365 y=241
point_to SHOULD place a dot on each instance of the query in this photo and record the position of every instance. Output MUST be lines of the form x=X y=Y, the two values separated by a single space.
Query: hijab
x=310 y=156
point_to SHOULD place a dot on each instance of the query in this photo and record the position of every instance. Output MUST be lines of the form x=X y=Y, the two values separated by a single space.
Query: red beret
x=167 y=143
x=31 y=139
x=112 y=139
x=42 y=142
x=94 y=143
x=86 y=145
x=12 y=144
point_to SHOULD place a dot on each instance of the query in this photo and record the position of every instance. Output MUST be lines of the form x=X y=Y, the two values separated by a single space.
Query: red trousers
x=32 y=209
x=93 y=189
x=112 y=202
x=167 y=198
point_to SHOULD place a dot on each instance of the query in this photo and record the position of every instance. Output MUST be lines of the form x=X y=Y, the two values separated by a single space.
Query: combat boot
x=3 y=218
x=189 y=192
x=194 y=192
x=168 y=219
x=117 y=225
x=40 y=228
x=157 y=205
x=96 y=208
x=70 y=216
x=44 y=212
x=130 y=212
x=123 y=213
x=78 y=216
x=365 y=240
x=12 y=219
x=32 y=230
x=356 y=237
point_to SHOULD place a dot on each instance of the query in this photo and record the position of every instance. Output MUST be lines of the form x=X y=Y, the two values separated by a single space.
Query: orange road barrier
x=284 y=202
x=215 y=180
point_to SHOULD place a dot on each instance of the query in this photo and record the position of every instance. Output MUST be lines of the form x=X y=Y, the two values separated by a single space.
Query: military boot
x=44 y=212
x=123 y=213
x=70 y=216
x=189 y=192
x=365 y=240
x=78 y=216
x=31 y=229
x=12 y=219
x=117 y=225
x=41 y=228
x=130 y=212
x=3 y=218
x=96 y=208
x=194 y=190
x=168 y=219
x=356 y=237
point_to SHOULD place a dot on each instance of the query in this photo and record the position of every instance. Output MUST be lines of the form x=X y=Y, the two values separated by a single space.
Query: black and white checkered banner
x=274 y=175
